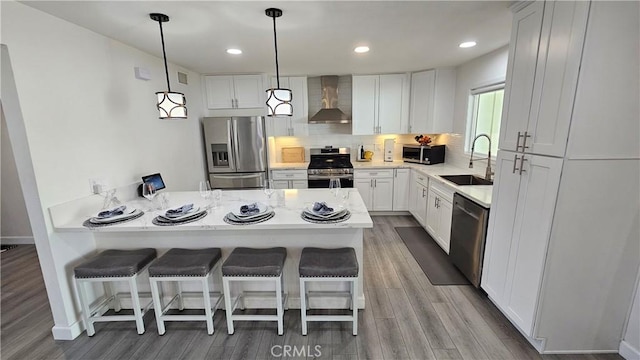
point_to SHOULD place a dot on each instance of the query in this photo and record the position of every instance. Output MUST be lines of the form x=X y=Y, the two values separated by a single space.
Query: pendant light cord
x=164 y=55
x=275 y=43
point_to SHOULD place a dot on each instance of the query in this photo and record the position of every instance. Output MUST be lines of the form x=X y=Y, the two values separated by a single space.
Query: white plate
x=129 y=212
x=336 y=209
x=263 y=208
x=193 y=211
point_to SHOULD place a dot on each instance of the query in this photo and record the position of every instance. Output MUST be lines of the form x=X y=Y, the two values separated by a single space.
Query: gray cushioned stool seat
x=185 y=262
x=317 y=262
x=115 y=263
x=255 y=262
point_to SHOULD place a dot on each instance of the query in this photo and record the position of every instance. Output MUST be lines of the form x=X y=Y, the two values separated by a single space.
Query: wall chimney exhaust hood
x=330 y=113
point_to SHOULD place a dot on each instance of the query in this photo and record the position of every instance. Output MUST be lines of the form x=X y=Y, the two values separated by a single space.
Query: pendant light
x=171 y=105
x=278 y=100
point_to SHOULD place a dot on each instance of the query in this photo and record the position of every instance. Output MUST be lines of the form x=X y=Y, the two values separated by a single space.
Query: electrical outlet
x=97 y=185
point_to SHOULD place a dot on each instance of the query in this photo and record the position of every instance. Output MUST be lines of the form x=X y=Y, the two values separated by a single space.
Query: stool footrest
x=345 y=294
x=255 y=317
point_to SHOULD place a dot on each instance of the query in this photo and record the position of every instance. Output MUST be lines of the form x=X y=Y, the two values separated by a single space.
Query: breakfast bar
x=286 y=228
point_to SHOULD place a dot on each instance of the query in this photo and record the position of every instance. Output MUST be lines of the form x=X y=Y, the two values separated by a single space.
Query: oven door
x=322 y=181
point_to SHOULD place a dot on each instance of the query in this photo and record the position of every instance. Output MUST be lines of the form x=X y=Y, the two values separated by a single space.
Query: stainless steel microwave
x=428 y=155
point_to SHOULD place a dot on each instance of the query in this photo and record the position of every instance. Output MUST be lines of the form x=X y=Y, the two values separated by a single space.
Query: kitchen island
x=286 y=229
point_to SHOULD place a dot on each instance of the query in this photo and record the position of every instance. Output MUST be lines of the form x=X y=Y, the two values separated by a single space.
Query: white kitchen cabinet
x=298 y=123
x=289 y=179
x=376 y=188
x=419 y=194
x=542 y=76
x=234 y=91
x=439 y=212
x=401 y=187
x=432 y=101
x=380 y=104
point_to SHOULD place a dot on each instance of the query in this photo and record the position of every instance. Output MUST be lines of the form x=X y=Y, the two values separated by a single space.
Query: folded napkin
x=112 y=212
x=322 y=208
x=249 y=209
x=179 y=211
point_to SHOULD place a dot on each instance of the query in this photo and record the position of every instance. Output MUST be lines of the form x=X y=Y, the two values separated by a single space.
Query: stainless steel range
x=330 y=163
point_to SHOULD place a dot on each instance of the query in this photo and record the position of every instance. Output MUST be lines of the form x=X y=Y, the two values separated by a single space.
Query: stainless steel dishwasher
x=468 y=233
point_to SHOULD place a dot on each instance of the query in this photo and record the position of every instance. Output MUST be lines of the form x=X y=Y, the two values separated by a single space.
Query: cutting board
x=293 y=154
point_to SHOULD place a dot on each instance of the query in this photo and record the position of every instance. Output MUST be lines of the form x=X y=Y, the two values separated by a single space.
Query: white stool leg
x=82 y=294
x=207 y=304
x=279 y=305
x=180 y=300
x=137 y=308
x=303 y=306
x=157 y=305
x=227 y=304
x=354 y=305
x=286 y=303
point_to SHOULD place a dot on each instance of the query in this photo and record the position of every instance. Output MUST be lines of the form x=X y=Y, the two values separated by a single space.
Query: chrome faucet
x=488 y=173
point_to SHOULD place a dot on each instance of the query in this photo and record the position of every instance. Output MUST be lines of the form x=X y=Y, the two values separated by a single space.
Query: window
x=485 y=111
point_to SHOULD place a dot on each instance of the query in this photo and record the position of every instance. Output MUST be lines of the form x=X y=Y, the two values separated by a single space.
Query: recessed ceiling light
x=234 y=51
x=361 y=49
x=467 y=44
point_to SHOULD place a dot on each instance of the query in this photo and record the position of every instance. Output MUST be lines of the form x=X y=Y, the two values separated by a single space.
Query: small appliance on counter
x=364 y=155
x=388 y=149
x=423 y=154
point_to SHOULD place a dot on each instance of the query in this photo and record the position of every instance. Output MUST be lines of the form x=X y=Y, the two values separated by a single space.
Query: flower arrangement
x=423 y=139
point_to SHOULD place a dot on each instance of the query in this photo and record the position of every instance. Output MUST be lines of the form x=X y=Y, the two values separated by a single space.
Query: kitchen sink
x=466 y=180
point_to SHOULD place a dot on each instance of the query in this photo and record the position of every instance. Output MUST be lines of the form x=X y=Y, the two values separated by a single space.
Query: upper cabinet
x=234 y=91
x=297 y=124
x=542 y=75
x=432 y=101
x=380 y=104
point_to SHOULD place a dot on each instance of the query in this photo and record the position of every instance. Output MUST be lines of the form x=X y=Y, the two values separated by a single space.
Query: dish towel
x=322 y=208
x=249 y=209
x=179 y=211
x=113 y=212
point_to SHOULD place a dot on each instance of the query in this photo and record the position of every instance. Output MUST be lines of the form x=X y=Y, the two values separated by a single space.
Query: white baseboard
x=17 y=240
x=67 y=332
x=628 y=352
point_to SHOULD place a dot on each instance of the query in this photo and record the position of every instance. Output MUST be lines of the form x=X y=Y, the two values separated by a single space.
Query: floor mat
x=432 y=259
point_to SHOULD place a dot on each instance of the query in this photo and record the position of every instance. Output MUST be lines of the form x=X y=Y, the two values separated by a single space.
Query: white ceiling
x=314 y=37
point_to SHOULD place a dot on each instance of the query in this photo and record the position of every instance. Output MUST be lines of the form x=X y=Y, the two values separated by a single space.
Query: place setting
x=249 y=214
x=184 y=214
x=117 y=215
x=322 y=212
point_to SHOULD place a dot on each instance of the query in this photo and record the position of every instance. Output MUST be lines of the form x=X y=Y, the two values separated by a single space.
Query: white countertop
x=289 y=166
x=287 y=216
x=478 y=193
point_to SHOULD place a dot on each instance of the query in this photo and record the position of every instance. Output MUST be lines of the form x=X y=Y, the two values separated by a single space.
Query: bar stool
x=318 y=264
x=108 y=267
x=247 y=264
x=181 y=265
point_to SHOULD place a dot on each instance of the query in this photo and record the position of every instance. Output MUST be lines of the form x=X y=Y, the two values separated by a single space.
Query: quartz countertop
x=287 y=215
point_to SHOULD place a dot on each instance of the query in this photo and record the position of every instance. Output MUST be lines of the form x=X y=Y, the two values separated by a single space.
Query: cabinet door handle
x=522 y=160
x=524 y=141
x=518 y=141
x=371 y=182
x=423 y=192
x=375 y=182
x=515 y=164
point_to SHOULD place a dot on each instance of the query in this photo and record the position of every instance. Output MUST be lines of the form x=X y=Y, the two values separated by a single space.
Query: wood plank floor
x=427 y=322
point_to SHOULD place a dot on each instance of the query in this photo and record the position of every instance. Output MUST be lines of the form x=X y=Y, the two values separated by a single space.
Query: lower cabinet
x=419 y=190
x=289 y=179
x=401 y=187
x=439 y=212
x=376 y=188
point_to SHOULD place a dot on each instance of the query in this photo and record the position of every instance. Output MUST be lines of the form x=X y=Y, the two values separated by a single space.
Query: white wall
x=14 y=221
x=84 y=116
x=481 y=71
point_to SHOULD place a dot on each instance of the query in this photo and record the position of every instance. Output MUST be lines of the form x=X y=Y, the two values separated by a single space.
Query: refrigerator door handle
x=231 y=146
x=236 y=148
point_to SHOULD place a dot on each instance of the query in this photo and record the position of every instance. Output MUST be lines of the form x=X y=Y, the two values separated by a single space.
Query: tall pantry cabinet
x=562 y=251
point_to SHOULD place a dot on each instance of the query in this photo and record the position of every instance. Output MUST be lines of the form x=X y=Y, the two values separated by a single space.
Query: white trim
x=67 y=332
x=17 y=240
x=628 y=352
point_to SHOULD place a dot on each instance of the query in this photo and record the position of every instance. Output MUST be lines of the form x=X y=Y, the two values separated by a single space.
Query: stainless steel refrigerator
x=236 y=149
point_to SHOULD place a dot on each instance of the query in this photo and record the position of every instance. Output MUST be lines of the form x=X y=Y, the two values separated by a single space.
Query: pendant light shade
x=278 y=99
x=171 y=105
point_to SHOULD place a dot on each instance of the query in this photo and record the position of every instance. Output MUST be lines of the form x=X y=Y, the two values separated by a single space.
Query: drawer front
x=372 y=174
x=442 y=190
x=289 y=174
x=421 y=179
